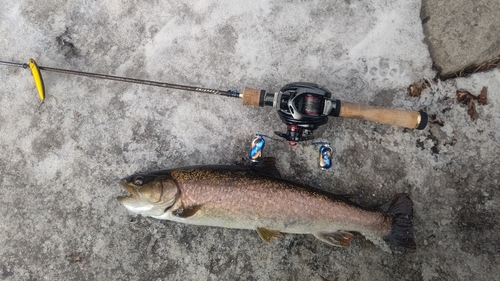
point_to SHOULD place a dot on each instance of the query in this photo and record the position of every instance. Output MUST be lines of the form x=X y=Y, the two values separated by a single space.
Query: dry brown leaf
x=74 y=258
x=483 y=96
x=472 y=109
x=465 y=96
x=415 y=89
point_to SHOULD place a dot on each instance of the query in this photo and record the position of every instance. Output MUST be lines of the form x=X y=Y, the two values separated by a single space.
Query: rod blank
x=228 y=93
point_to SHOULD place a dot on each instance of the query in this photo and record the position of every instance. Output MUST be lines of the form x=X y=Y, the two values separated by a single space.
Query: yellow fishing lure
x=37 y=76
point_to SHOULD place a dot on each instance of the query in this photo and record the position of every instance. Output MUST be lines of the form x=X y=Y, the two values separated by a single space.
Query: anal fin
x=338 y=238
x=267 y=234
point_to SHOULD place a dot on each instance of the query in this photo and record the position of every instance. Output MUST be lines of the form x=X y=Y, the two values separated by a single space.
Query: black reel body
x=303 y=107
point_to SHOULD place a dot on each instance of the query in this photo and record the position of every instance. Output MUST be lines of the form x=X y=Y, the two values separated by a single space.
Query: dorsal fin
x=267 y=167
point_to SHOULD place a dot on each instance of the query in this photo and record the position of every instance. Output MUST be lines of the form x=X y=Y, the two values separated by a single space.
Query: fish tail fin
x=401 y=239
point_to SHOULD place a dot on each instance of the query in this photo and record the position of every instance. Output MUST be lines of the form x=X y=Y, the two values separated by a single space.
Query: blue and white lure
x=325 y=155
x=258 y=143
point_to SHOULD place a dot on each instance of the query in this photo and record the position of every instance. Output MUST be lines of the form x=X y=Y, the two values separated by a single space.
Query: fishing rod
x=302 y=106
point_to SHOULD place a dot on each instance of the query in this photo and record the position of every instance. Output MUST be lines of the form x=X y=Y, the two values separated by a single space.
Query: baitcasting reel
x=303 y=107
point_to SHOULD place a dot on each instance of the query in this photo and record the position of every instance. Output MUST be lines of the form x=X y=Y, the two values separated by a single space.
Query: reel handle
x=398 y=117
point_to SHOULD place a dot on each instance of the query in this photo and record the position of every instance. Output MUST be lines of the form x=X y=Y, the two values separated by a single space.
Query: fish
x=256 y=197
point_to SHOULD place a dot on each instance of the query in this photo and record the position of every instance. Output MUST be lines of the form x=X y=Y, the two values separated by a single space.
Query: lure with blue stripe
x=258 y=144
x=325 y=155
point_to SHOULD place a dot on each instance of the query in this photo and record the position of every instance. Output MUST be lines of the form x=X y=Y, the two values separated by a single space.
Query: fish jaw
x=133 y=194
x=133 y=201
x=152 y=199
x=135 y=206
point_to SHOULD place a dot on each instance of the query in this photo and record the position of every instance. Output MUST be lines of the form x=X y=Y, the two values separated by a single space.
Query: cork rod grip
x=253 y=97
x=398 y=117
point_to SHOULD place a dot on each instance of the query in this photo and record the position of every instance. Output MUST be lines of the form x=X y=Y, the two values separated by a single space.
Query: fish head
x=149 y=194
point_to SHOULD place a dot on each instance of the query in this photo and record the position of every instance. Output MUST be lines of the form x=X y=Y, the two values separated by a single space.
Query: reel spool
x=303 y=107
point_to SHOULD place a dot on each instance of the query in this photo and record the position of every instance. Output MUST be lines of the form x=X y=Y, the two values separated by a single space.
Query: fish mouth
x=133 y=192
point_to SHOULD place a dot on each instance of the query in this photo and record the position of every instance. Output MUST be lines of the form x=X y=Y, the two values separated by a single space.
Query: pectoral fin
x=339 y=238
x=267 y=234
x=186 y=212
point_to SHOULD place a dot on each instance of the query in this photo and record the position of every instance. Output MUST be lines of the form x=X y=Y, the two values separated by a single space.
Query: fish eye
x=138 y=181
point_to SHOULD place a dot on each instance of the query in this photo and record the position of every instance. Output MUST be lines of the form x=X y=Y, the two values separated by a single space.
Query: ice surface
x=61 y=161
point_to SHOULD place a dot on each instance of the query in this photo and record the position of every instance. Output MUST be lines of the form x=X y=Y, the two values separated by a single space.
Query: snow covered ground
x=61 y=161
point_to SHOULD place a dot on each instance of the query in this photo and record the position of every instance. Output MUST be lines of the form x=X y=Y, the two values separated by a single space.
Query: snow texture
x=61 y=161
